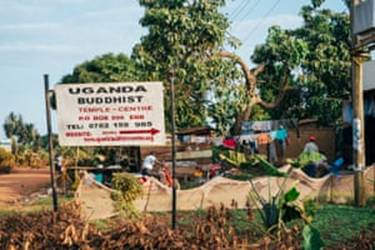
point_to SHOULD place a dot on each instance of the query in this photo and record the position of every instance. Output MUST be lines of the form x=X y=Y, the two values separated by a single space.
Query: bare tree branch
x=250 y=79
x=283 y=90
x=258 y=70
x=251 y=84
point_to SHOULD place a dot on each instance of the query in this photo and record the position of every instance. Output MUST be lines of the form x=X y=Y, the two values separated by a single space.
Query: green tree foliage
x=182 y=37
x=21 y=132
x=105 y=68
x=6 y=161
x=127 y=189
x=318 y=54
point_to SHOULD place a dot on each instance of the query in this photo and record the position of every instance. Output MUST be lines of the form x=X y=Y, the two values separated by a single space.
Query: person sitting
x=311 y=145
x=314 y=162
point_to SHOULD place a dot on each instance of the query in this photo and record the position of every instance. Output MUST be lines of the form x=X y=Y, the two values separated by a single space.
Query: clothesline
x=255 y=140
x=266 y=137
x=249 y=127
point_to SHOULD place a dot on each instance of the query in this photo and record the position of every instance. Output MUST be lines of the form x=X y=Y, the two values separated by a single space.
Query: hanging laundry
x=272 y=156
x=262 y=126
x=254 y=147
x=280 y=149
x=218 y=141
x=251 y=137
x=281 y=134
x=264 y=138
x=230 y=143
x=273 y=135
x=246 y=128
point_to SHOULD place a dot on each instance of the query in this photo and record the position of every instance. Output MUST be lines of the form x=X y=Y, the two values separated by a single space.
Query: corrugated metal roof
x=195 y=131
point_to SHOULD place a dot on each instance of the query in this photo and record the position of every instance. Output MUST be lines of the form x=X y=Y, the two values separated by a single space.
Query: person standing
x=148 y=164
x=58 y=163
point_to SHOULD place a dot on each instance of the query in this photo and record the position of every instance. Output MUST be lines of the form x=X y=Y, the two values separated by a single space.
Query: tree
x=12 y=125
x=105 y=68
x=11 y=128
x=276 y=73
x=20 y=132
x=182 y=37
x=322 y=76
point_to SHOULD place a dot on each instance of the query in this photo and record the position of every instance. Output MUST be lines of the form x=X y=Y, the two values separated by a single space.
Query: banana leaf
x=234 y=158
x=269 y=168
x=308 y=158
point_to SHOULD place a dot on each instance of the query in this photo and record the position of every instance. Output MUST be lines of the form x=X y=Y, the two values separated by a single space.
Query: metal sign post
x=173 y=111
x=47 y=92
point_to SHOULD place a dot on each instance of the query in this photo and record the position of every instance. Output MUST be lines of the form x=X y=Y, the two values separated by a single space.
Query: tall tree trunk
x=251 y=86
x=241 y=117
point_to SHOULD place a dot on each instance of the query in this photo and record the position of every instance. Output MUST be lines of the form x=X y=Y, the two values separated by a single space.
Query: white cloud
x=30 y=47
x=25 y=27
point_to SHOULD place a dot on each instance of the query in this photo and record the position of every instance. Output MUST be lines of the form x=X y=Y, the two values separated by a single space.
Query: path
x=20 y=183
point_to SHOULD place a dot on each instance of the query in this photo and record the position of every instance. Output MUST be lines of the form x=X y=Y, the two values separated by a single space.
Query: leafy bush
x=127 y=190
x=33 y=159
x=283 y=208
x=255 y=162
x=6 y=161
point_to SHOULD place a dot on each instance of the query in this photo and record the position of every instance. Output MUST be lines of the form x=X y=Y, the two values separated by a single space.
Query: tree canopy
x=305 y=71
x=182 y=37
x=105 y=68
x=21 y=132
x=318 y=52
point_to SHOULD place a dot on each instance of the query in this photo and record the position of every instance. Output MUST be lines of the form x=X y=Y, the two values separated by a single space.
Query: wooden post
x=76 y=160
x=50 y=142
x=359 y=150
x=358 y=115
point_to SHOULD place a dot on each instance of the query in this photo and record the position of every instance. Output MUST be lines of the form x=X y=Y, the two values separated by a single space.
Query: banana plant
x=239 y=160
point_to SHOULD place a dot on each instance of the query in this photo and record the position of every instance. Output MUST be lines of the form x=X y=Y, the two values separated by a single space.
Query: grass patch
x=45 y=203
x=338 y=223
x=40 y=204
x=103 y=225
x=5 y=213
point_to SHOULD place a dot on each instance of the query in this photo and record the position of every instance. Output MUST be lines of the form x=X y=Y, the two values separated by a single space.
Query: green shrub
x=127 y=190
x=6 y=161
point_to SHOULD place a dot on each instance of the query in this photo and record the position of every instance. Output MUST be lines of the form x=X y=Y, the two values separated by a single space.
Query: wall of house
x=325 y=138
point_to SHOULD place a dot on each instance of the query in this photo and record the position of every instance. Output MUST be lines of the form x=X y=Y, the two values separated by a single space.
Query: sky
x=52 y=36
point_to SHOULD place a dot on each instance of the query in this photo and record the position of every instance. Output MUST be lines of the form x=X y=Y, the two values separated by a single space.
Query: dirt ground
x=21 y=183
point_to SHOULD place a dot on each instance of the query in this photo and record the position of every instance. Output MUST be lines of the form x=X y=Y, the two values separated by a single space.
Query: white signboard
x=110 y=114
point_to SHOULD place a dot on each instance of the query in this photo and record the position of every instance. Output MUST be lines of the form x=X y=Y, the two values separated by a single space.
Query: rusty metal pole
x=358 y=115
